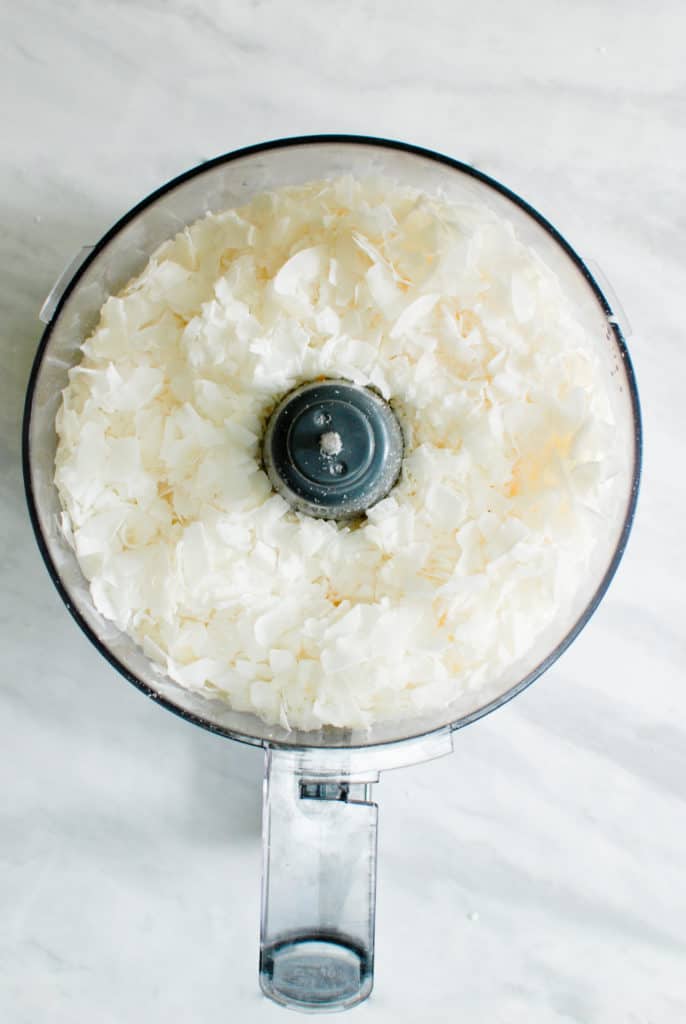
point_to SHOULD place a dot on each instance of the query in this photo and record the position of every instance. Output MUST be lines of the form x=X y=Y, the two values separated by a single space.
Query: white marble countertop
x=537 y=876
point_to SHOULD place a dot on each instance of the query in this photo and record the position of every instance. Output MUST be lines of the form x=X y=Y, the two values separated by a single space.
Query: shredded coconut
x=307 y=622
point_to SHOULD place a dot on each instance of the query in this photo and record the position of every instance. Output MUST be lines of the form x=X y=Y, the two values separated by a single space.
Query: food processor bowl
x=317 y=937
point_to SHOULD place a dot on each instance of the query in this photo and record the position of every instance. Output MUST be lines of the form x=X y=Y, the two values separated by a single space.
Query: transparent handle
x=319 y=886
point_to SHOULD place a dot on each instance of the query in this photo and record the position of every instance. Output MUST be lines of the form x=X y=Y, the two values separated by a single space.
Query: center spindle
x=333 y=449
x=330 y=443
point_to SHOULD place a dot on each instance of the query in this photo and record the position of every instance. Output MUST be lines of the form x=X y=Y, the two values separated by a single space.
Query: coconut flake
x=300 y=270
x=507 y=479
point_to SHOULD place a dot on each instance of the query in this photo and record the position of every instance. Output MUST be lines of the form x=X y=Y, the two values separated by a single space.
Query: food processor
x=319 y=817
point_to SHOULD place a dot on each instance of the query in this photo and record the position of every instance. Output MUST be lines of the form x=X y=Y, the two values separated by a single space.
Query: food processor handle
x=318 y=885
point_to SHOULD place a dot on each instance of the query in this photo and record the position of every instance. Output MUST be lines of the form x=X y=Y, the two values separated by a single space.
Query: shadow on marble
x=224 y=795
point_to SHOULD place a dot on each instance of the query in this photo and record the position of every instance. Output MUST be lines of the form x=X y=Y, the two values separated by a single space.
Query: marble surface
x=537 y=875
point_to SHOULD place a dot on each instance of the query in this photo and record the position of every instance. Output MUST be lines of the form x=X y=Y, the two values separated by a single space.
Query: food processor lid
x=232 y=180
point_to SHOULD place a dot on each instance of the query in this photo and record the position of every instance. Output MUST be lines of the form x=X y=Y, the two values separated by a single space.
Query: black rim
x=353 y=140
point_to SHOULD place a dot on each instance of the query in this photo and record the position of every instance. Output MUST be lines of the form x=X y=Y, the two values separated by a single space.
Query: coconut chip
x=489 y=530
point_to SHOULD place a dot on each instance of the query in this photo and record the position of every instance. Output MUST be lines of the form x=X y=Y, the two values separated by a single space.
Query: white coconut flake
x=506 y=481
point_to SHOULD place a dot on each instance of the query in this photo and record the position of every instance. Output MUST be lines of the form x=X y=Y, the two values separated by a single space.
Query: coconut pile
x=486 y=535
